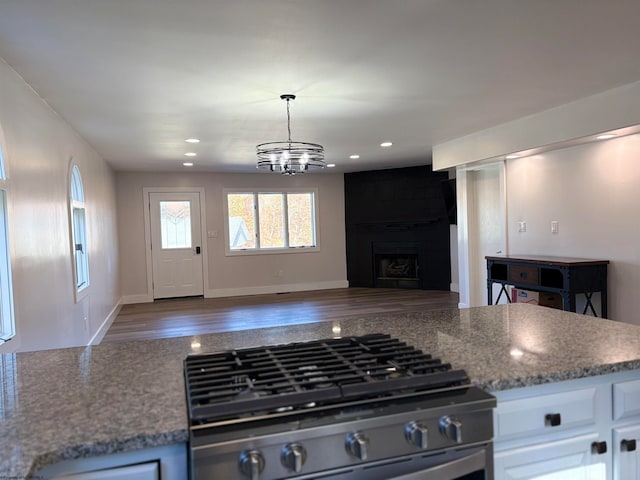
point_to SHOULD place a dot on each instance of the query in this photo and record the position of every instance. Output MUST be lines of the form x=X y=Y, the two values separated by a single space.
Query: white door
x=176 y=249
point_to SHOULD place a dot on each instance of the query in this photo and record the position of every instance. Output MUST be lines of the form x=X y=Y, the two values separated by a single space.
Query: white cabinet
x=560 y=460
x=584 y=429
x=626 y=455
x=167 y=462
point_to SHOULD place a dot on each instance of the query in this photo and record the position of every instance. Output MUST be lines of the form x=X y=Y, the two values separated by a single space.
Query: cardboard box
x=524 y=296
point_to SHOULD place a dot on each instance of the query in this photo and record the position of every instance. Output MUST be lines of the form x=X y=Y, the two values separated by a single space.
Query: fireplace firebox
x=396 y=266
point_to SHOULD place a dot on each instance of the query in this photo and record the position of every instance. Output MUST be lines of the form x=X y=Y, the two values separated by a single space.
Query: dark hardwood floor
x=195 y=316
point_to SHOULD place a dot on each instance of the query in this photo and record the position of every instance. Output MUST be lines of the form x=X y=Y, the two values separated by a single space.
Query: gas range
x=359 y=407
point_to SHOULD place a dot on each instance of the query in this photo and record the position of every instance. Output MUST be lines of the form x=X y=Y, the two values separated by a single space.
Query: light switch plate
x=522 y=226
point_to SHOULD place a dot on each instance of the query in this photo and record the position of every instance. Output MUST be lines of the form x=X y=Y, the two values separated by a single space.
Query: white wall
x=236 y=275
x=593 y=191
x=38 y=149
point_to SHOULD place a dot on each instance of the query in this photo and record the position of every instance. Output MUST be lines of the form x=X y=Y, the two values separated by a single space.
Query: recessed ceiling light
x=331 y=165
x=386 y=144
x=188 y=164
x=192 y=140
x=355 y=157
x=605 y=136
x=190 y=154
x=512 y=156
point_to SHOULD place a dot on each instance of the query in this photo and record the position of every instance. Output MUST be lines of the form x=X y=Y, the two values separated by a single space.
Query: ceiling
x=137 y=77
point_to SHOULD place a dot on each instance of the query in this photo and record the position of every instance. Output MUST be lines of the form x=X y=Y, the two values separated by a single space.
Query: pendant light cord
x=288 y=121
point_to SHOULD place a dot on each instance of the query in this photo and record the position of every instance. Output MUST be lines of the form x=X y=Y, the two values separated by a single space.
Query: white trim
x=102 y=329
x=454 y=287
x=142 y=298
x=463 y=236
x=146 y=191
x=282 y=288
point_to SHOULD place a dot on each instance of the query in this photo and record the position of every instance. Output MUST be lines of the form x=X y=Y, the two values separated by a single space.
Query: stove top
x=273 y=379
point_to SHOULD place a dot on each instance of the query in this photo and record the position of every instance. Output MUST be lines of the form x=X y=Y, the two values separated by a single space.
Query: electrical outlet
x=522 y=226
x=554 y=226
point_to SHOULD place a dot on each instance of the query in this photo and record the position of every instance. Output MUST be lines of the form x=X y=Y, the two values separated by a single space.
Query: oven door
x=471 y=467
x=466 y=464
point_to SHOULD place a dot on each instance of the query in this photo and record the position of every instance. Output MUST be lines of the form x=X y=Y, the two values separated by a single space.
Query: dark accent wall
x=396 y=207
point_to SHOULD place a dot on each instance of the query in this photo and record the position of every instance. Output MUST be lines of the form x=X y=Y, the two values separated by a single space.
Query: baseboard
x=283 y=288
x=102 y=330
x=462 y=305
x=141 y=298
x=454 y=287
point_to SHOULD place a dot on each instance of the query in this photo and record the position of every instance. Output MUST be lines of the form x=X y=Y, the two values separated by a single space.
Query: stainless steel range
x=369 y=407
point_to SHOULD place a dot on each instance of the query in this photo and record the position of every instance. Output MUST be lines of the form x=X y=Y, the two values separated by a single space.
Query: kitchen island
x=73 y=403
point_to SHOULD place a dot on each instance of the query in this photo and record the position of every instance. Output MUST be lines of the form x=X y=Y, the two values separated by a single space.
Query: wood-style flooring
x=195 y=316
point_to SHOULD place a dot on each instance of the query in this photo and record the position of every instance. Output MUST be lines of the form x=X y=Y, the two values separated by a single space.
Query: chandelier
x=290 y=158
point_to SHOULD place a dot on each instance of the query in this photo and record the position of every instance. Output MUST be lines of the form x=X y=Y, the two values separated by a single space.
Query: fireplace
x=396 y=265
x=397 y=229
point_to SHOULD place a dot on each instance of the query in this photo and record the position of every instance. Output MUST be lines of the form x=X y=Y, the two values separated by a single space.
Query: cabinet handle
x=628 y=445
x=599 y=447
x=552 y=419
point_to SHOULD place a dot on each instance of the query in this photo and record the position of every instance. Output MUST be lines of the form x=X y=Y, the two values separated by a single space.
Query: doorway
x=176 y=254
x=482 y=228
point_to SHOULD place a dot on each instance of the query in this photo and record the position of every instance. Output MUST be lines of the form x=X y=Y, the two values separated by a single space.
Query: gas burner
x=282 y=378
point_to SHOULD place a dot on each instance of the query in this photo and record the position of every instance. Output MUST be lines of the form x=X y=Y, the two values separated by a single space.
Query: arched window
x=7 y=318
x=79 y=232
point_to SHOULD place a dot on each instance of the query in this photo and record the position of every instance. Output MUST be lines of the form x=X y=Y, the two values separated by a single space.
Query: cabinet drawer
x=626 y=399
x=570 y=458
x=544 y=414
x=524 y=275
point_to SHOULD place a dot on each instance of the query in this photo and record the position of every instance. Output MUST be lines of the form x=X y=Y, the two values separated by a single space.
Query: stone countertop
x=79 y=402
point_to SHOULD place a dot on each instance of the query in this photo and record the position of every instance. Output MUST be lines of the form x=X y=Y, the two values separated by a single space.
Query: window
x=175 y=224
x=7 y=318
x=270 y=221
x=79 y=232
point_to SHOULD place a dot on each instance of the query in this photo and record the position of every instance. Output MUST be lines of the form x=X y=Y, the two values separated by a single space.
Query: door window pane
x=271 y=217
x=175 y=224
x=242 y=224
x=300 y=218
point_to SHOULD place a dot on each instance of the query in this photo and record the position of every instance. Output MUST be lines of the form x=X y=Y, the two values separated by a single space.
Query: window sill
x=271 y=251
x=79 y=295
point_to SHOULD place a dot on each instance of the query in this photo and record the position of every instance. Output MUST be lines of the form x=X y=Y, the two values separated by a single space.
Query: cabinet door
x=145 y=471
x=626 y=453
x=560 y=460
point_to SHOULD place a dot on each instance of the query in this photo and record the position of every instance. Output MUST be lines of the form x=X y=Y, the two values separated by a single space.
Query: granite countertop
x=79 y=402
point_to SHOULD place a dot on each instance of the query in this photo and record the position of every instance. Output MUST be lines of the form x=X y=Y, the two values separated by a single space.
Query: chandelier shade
x=289 y=157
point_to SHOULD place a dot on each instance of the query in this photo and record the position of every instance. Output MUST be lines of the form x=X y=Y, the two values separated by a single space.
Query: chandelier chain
x=288 y=121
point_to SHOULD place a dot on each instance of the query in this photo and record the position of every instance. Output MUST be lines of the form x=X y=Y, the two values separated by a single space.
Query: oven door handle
x=449 y=470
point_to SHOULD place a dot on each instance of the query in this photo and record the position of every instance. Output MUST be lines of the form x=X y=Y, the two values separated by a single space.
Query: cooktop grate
x=244 y=382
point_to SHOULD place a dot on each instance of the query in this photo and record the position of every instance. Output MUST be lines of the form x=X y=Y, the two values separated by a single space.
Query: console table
x=563 y=275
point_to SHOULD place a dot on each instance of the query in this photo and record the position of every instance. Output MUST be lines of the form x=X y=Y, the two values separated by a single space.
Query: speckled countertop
x=78 y=402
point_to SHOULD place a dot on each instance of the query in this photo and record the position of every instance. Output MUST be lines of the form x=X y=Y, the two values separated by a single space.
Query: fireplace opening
x=396 y=270
x=397 y=267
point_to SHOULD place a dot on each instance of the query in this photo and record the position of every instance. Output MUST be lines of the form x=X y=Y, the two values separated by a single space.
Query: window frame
x=271 y=250
x=78 y=211
x=7 y=309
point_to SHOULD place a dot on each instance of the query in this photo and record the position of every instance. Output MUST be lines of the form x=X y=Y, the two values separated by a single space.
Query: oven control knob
x=357 y=445
x=251 y=463
x=416 y=434
x=451 y=428
x=293 y=456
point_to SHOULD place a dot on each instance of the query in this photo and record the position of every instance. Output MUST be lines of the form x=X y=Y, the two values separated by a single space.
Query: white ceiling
x=137 y=77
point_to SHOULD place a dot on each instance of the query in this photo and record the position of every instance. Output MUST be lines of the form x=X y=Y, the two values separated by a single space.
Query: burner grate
x=244 y=382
